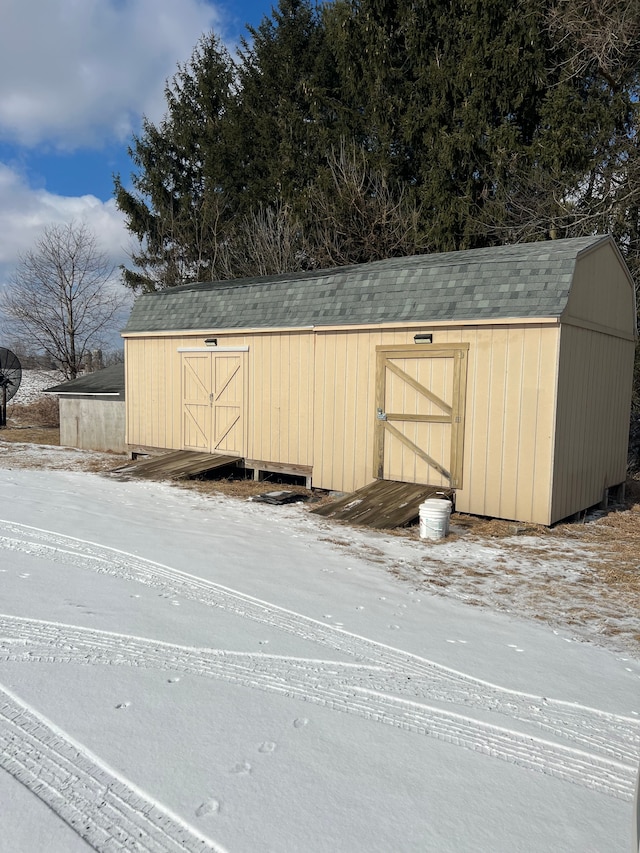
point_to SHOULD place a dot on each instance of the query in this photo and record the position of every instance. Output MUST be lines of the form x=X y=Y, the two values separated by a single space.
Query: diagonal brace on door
x=400 y=373
x=417 y=450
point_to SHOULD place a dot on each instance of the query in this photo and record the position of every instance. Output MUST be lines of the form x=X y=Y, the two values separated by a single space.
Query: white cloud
x=25 y=212
x=77 y=73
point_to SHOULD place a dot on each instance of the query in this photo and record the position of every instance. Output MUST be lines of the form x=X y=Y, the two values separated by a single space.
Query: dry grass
x=43 y=412
x=616 y=536
x=30 y=435
x=496 y=528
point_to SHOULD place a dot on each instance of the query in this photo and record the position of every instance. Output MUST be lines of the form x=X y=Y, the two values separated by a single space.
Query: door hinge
x=380 y=415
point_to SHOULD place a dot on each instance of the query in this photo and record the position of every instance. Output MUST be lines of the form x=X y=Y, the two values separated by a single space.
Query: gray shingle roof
x=110 y=380
x=522 y=280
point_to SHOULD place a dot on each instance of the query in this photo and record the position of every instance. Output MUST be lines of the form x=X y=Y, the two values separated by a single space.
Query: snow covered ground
x=34 y=382
x=190 y=673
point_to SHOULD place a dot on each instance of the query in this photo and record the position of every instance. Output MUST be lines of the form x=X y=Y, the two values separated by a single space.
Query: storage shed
x=504 y=373
x=92 y=410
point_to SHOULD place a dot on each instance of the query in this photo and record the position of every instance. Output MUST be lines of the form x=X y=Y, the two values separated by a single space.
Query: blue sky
x=76 y=76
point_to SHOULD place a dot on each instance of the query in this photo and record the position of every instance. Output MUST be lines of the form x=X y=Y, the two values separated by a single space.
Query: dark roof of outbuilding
x=516 y=281
x=110 y=381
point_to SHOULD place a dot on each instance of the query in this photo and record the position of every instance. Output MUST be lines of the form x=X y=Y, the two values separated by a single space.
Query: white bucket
x=434 y=518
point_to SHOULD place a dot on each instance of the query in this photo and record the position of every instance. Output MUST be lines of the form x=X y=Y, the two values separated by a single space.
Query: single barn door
x=420 y=408
x=214 y=401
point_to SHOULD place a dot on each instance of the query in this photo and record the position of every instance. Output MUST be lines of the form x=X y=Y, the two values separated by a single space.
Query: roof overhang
x=413 y=326
x=86 y=393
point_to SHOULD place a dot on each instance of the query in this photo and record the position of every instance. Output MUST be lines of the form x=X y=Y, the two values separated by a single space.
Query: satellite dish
x=10 y=376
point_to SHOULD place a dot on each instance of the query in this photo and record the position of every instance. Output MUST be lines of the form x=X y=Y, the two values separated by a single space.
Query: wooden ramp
x=382 y=504
x=175 y=465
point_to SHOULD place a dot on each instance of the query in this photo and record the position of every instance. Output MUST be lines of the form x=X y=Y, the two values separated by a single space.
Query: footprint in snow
x=122 y=705
x=267 y=746
x=208 y=807
x=300 y=722
x=243 y=768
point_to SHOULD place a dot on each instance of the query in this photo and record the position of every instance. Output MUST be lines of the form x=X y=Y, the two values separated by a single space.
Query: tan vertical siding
x=477 y=432
x=602 y=292
x=510 y=424
x=594 y=393
x=278 y=386
x=509 y=421
x=344 y=409
x=494 y=363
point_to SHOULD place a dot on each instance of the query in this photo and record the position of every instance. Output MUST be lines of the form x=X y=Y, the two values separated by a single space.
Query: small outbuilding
x=92 y=410
x=503 y=373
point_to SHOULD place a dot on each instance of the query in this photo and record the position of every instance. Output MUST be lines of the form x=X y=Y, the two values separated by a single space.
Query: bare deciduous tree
x=359 y=216
x=265 y=242
x=604 y=32
x=60 y=296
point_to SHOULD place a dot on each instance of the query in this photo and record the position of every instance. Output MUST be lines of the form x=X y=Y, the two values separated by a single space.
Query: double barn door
x=214 y=401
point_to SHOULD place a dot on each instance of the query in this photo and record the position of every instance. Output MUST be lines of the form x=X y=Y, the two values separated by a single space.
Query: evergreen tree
x=180 y=189
x=448 y=92
x=461 y=123
x=283 y=119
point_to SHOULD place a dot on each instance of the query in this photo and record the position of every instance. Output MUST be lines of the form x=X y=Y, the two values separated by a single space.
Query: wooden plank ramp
x=174 y=465
x=382 y=504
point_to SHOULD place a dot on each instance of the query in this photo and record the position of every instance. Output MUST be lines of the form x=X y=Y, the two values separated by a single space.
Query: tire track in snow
x=612 y=735
x=104 y=809
x=349 y=688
